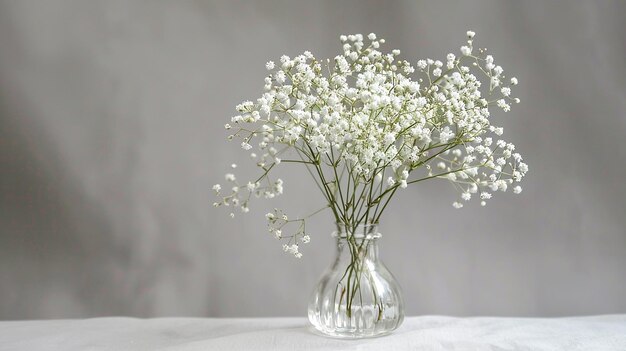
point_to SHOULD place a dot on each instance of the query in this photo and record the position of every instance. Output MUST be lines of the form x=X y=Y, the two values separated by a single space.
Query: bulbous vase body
x=357 y=297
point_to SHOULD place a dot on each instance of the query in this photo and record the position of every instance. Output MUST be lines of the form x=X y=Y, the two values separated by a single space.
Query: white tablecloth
x=417 y=333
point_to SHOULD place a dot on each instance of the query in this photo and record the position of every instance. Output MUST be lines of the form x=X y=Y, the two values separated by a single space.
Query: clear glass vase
x=357 y=297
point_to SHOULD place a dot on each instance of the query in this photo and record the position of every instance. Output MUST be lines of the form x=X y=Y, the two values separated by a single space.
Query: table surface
x=606 y=332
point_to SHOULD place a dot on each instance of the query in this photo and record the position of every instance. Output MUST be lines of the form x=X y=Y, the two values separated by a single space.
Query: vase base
x=354 y=329
x=349 y=335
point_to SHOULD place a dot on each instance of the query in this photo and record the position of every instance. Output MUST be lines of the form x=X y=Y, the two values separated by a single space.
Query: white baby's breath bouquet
x=367 y=124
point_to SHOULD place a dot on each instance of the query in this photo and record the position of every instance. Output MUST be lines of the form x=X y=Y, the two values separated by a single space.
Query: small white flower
x=230 y=177
x=371 y=36
x=281 y=77
x=503 y=105
x=470 y=34
x=495 y=81
x=517 y=189
x=513 y=81
x=233 y=166
x=236 y=119
x=457 y=204
x=306 y=239
x=246 y=146
x=466 y=196
x=269 y=65
x=506 y=91
x=293 y=249
x=501 y=184
x=466 y=51
x=270 y=216
x=523 y=167
x=217 y=188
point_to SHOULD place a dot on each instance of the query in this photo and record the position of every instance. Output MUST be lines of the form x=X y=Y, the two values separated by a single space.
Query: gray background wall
x=111 y=117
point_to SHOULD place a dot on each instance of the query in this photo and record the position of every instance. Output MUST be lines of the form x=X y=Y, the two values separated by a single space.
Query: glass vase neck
x=358 y=243
x=360 y=231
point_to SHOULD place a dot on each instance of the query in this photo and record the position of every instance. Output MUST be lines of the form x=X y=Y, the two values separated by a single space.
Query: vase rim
x=363 y=231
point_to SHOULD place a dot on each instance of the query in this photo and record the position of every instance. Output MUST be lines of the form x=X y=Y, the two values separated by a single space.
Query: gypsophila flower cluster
x=368 y=123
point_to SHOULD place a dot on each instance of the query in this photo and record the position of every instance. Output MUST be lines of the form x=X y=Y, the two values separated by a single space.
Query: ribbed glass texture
x=357 y=297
